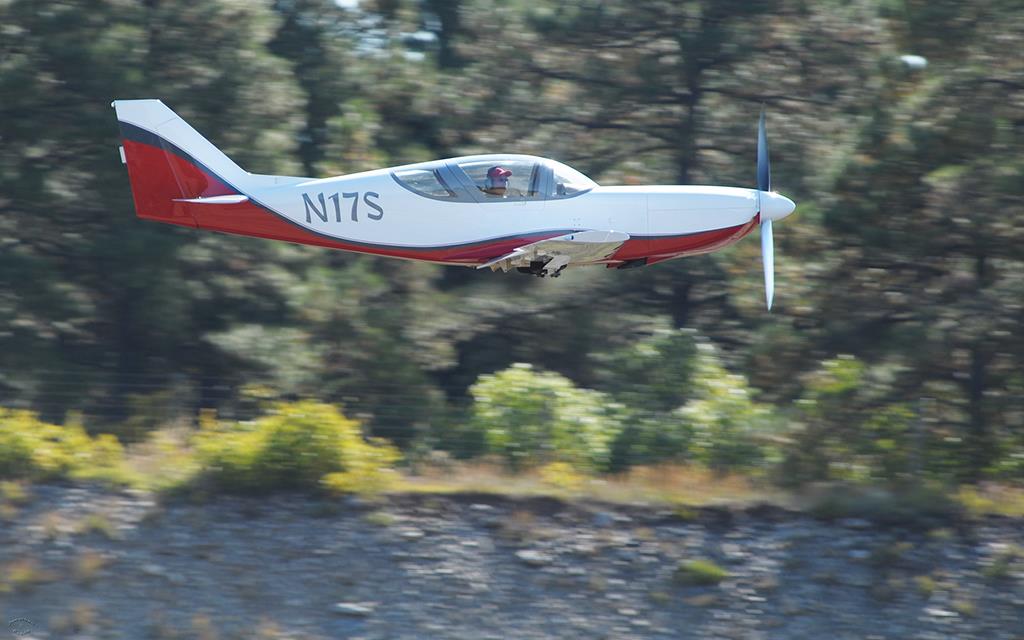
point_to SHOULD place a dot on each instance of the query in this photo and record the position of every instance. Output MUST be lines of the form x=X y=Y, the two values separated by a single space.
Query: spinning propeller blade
x=768 y=259
x=766 y=200
x=764 y=169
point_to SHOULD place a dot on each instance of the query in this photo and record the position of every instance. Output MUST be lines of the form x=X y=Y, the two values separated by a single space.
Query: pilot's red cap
x=498 y=172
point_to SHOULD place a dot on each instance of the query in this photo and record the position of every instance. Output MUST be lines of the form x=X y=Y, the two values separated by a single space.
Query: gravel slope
x=84 y=563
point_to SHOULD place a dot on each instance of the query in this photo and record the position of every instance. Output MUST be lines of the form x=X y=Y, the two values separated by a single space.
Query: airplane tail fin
x=169 y=162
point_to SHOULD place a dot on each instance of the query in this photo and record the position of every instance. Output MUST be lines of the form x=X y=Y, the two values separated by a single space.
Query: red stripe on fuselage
x=250 y=219
x=661 y=248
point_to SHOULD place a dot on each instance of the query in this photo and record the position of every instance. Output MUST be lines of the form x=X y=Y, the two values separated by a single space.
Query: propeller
x=764 y=185
x=770 y=206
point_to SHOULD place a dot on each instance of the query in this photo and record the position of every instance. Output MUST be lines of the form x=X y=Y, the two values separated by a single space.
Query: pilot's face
x=499 y=185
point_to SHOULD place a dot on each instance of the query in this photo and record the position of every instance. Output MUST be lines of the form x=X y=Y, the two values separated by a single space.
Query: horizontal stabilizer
x=232 y=199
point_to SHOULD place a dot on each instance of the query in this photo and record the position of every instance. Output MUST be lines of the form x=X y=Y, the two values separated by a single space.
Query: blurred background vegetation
x=895 y=350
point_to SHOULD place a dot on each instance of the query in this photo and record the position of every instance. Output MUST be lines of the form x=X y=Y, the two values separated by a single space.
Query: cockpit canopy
x=493 y=178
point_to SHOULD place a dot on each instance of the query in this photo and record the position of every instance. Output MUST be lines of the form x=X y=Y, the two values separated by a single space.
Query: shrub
x=920 y=506
x=649 y=437
x=36 y=450
x=851 y=431
x=651 y=377
x=730 y=430
x=531 y=418
x=301 y=445
x=652 y=373
x=562 y=475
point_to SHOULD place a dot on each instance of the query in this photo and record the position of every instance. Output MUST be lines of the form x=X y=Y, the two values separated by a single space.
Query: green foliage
x=531 y=417
x=701 y=573
x=907 y=244
x=651 y=377
x=730 y=430
x=13 y=493
x=1002 y=564
x=301 y=445
x=563 y=476
x=648 y=438
x=652 y=373
x=36 y=450
x=849 y=431
x=721 y=426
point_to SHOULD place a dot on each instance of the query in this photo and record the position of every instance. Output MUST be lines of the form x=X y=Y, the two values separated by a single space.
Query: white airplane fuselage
x=438 y=211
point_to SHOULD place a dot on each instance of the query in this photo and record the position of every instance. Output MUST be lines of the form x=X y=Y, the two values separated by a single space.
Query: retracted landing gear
x=553 y=267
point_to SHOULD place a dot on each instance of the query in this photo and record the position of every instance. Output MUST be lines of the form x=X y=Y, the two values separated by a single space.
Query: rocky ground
x=84 y=563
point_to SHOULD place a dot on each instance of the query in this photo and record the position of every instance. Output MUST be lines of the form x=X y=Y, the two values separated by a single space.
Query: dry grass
x=159 y=628
x=53 y=524
x=162 y=461
x=519 y=527
x=675 y=485
x=203 y=627
x=23 y=575
x=703 y=600
x=380 y=518
x=926 y=585
x=992 y=499
x=87 y=566
x=13 y=493
x=269 y=630
x=97 y=523
x=1002 y=566
x=81 y=618
x=683 y=486
x=964 y=607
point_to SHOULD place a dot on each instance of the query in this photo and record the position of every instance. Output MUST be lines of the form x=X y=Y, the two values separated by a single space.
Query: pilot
x=496 y=183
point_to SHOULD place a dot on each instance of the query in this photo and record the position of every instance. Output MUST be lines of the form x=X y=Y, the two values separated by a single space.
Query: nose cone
x=775 y=207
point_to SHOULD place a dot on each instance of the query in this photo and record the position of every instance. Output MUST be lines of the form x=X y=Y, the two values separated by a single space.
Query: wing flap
x=579 y=247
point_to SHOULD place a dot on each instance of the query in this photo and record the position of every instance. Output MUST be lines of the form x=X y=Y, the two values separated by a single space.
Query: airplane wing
x=556 y=253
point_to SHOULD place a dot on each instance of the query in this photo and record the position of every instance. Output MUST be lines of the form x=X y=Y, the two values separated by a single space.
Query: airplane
x=498 y=211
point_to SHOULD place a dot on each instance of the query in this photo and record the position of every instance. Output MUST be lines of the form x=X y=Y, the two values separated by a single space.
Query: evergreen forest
x=894 y=351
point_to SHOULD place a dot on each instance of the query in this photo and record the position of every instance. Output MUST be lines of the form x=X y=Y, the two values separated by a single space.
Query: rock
x=355 y=502
x=627 y=555
x=940 y=613
x=855 y=523
x=733 y=553
x=603 y=519
x=160 y=572
x=355 y=609
x=411 y=534
x=534 y=558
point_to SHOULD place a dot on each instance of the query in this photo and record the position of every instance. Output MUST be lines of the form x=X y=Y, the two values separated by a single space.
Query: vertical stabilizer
x=168 y=160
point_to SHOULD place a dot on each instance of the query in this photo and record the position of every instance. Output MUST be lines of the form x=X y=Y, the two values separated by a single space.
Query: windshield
x=425 y=182
x=568 y=181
